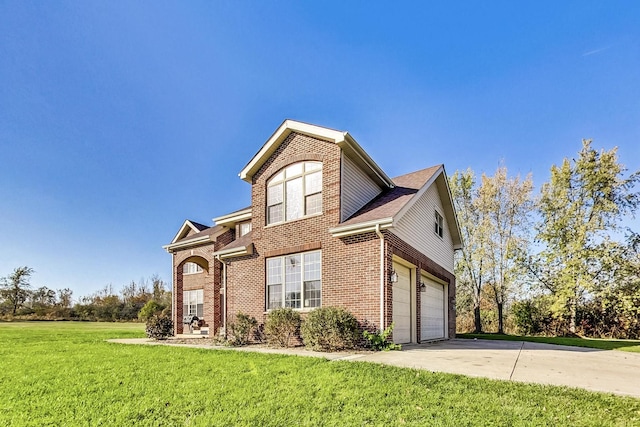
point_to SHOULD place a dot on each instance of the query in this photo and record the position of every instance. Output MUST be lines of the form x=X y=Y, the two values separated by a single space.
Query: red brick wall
x=350 y=266
x=209 y=280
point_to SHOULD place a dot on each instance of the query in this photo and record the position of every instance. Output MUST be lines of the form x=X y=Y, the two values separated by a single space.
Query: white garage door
x=432 y=311
x=402 y=305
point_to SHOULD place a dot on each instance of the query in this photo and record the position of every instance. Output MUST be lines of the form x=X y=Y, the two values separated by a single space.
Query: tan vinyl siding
x=416 y=228
x=357 y=188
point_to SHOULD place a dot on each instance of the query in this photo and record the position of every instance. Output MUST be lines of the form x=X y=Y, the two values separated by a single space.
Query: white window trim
x=283 y=181
x=185 y=296
x=283 y=284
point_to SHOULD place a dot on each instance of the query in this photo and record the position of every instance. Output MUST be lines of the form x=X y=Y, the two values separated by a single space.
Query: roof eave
x=234 y=252
x=187 y=243
x=360 y=228
x=233 y=218
x=371 y=168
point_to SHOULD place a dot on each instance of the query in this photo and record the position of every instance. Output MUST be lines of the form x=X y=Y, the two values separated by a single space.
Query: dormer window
x=295 y=192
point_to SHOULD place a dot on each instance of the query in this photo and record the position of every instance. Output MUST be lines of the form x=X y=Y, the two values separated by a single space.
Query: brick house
x=326 y=227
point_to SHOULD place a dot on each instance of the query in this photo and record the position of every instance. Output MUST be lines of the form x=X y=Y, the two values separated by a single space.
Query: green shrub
x=379 y=340
x=242 y=329
x=159 y=327
x=282 y=325
x=330 y=329
x=149 y=310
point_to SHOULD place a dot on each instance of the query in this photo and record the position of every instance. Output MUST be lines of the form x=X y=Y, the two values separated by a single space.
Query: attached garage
x=432 y=310
x=402 y=305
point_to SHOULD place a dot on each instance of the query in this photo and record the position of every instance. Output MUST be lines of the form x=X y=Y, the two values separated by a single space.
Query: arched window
x=295 y=192
x=191 y=268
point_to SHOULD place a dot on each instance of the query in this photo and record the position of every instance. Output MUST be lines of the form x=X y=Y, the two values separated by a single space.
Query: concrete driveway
x=598 y=370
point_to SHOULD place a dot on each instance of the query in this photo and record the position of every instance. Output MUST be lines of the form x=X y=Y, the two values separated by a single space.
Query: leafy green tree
x=507 y=205
x=15 y=288
x=579 y=208
x=471 y=265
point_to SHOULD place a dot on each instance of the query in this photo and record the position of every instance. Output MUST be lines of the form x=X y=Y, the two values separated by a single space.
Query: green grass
x=65 y=374
x=602 y=344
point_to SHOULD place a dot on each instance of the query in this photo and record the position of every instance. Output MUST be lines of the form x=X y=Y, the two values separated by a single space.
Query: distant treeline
x=18 y=300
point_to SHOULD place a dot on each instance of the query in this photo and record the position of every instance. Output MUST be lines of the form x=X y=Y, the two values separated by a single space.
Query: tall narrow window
x=193 y=303
x=439 y=224
x=294 y=281
x=295 y=192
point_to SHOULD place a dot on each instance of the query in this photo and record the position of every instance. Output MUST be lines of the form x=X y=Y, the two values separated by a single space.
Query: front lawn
x=66 y=374
x=602 y=344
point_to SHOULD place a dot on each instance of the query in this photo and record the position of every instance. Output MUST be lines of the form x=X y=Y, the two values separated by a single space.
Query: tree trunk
x=572 y=321
x=477 y=321
x=500 y=320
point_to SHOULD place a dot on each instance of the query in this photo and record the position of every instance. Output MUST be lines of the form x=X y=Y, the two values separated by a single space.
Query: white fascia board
x=363 y=159
x=279 y=135
x=419 y=194
x=235 y=217
x=186 y=224
x=458 y=243
x=363 y=227
x=187 y=243
x=234 y=252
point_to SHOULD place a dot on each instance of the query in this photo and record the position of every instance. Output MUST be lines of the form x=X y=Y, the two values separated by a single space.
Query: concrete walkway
x=607 y=371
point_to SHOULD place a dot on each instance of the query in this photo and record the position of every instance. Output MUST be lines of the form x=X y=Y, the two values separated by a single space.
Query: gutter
x=363 y=227
x=382 y=275
x=186 y=243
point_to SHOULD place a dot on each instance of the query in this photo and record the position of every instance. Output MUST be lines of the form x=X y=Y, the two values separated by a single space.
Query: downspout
x=382 y=276
x=224 y=295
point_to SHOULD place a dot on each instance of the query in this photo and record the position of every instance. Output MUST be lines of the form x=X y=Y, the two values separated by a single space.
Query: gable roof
x=187 y=226
x=206 y=235
x=387 y=208
x=342 y=139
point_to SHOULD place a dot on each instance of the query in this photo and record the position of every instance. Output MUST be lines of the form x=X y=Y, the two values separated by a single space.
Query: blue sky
x=118 y=120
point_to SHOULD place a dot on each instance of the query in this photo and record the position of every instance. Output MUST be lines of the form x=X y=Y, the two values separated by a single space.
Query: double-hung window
x=193 y=303
x=439 y=224
x=295 y=192
x=294 y=281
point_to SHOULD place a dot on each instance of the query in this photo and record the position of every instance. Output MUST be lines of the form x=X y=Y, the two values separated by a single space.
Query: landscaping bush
x=282 y=325
x=149 y=310
x=242 y=329
x=380 y=340
x=330 y=329
x=159 y=327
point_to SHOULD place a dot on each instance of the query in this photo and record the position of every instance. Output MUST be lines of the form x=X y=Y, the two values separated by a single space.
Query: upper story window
x=295 y=192
x=244 y=228
x=191 y=268
x=439 y=224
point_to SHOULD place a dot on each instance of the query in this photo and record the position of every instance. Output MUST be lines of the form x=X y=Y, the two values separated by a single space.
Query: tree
x=15 y=287
x=579 y=208
x=470 y=266
x=507 y=206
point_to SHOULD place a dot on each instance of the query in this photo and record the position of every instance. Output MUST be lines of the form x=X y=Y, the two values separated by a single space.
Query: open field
x=602 y=344
x=65 y=374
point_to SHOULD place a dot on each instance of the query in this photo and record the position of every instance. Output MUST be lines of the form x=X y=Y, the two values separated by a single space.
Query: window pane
x=278 y=177
x=274 y=214
x=294 y=198
x=200 y=296
x=274 y=194
x=245 y=227
x=274 y=271
x=185 y=310
x=312 y=266
x=293 y=282
x=312 y=166
x=312 y=293
x=313 y=183
x=313 y=204
x=274 y=296
x=200 y=311
x=294 y=170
